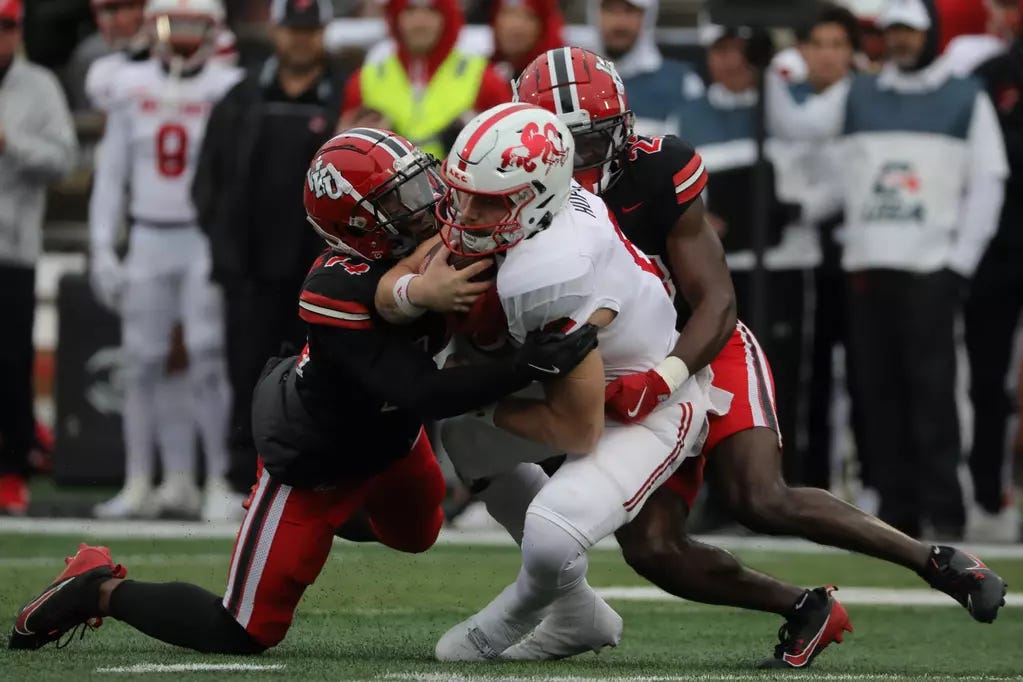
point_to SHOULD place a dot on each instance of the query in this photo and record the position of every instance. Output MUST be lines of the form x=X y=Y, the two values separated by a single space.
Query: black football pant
x=17 y=307
x=991 y=316
x=902 y=341
x=261 y=316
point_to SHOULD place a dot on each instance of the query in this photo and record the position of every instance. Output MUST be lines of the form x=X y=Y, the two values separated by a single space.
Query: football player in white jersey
x=562 y=263
x=156 y=118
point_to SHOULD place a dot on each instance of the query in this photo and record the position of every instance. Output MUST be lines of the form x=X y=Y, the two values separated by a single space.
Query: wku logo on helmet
x=327 y=181
x=547 y=146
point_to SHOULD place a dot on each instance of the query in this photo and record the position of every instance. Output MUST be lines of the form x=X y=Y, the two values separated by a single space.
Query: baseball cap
x=301 y=13
x=911 y=13
x=10 y=10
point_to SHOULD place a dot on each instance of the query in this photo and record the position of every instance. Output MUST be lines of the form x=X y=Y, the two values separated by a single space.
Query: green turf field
x=375 y=615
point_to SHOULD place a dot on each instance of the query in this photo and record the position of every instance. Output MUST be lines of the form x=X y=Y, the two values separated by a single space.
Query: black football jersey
x=354 y=359
x=660 y=180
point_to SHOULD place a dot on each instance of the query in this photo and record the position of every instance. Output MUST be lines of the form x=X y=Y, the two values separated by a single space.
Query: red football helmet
x=585 y=91
x=371 y=193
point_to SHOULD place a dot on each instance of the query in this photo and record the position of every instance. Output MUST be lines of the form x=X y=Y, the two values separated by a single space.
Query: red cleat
x=69 y=601
x=819 y=620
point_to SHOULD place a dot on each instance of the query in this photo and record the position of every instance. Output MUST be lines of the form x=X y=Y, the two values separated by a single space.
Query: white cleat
x=178 y=497
x=464 y=642
x=221 y=503
x=1003 y=527
x=563 y=634
x=135 y=501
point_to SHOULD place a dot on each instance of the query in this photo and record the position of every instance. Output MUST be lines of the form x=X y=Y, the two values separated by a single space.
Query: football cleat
x=563 y=634
x=68 y=602
x=819 y=619
x=966 y=579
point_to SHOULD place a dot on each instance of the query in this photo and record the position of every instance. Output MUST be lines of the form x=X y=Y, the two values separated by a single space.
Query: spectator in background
x=923 y=168
x=721 y=125
x=989 y=33
x=828 y=47
x=993 y=315
x=427 y=89
x=260 y=138
x=523 y=30
x=37 y=146
x=119 y=38
x=657 y=87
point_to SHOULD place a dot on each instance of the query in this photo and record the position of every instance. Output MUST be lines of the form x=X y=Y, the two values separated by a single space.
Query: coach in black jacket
x=248 y=191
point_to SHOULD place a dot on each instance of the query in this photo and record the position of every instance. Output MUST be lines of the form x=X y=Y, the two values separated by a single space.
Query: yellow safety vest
x=422 y=118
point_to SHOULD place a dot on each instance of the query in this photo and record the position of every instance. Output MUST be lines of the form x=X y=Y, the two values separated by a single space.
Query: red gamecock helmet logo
x=547 y=146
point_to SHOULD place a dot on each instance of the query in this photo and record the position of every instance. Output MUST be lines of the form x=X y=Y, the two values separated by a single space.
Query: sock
x=211 y=395
x=138 y=419
x=508 y=496
x=181 y=614
x=175 y=429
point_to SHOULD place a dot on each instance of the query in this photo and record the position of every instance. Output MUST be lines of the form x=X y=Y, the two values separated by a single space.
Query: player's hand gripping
x=632 y=397
x=444 y=289
x=550 y=355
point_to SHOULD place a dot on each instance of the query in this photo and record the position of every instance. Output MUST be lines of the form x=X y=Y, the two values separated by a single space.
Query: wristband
x=674 y=372
x=405 y=305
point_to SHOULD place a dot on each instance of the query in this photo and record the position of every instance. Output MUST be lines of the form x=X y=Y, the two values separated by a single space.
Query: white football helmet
x=514 y=157
x=184 y=30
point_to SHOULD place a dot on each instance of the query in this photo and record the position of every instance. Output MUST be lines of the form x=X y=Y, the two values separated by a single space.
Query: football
x=458 y=262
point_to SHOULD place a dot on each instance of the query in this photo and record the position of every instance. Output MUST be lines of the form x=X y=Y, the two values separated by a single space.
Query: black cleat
x=966 y=579
x=818 y=620
x=68 y=602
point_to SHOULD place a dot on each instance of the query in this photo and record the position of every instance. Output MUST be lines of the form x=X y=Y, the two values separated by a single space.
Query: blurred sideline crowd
x=874 y=282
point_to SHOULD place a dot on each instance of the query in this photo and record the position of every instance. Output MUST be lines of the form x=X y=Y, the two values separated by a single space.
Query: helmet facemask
x=184 y=40
x=483 y=237
x=599 y=150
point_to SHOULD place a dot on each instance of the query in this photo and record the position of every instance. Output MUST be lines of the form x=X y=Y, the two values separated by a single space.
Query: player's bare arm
x=702 y=277
x=571 y=415
x=408 y=289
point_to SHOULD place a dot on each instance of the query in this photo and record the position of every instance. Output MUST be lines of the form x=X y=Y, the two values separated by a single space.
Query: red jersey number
x=171 y=150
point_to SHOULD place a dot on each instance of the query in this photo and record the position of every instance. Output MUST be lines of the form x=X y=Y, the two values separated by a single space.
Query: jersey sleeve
x=339 y=293
x=563 y=305
x=110 y=178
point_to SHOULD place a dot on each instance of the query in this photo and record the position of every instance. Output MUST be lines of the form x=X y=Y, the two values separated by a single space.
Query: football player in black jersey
x=338 y=428
x=653 y=186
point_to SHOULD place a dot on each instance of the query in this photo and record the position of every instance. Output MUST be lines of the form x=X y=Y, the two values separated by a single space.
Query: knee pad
x=551 y=555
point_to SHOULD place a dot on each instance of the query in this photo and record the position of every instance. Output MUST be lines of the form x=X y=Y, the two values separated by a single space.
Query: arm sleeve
x=107 y=202
x=982 y=205
x=404 y=375
x=820 y=117
x=48 y=149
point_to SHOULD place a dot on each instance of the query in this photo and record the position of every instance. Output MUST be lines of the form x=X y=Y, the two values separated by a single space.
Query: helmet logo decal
x=547 y=146
x=608 y=67
x=327 y=181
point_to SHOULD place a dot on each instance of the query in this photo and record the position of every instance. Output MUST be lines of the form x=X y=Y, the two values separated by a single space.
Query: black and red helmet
x=371 y=193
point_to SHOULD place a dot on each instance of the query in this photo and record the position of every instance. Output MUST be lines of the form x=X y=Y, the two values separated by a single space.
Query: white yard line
x=875 y=596
x=196 y=530
x=698 y=677
x=192 y=668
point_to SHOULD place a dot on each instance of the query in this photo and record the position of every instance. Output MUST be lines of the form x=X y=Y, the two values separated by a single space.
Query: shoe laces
x=78 y=630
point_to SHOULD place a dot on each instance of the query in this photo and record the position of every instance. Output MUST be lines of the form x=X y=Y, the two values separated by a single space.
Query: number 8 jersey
x=154 y=131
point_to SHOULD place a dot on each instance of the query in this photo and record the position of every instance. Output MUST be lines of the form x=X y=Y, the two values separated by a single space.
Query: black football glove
x=549 y=355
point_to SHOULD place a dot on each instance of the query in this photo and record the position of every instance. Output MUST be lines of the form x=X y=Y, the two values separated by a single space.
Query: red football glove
x=631 y=398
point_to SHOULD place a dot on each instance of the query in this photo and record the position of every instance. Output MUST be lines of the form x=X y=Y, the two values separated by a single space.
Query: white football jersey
x=154 y=132
x=583 y=263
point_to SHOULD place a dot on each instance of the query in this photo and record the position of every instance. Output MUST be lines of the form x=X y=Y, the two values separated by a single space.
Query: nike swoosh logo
x=387 y=407
x=546 y=370
x=630 y=209
x=634 y=412
x=21 y=626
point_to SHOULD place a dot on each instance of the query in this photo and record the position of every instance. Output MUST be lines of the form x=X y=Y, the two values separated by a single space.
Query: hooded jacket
x=493 y=89
x=549 y=13
x=657 y=88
